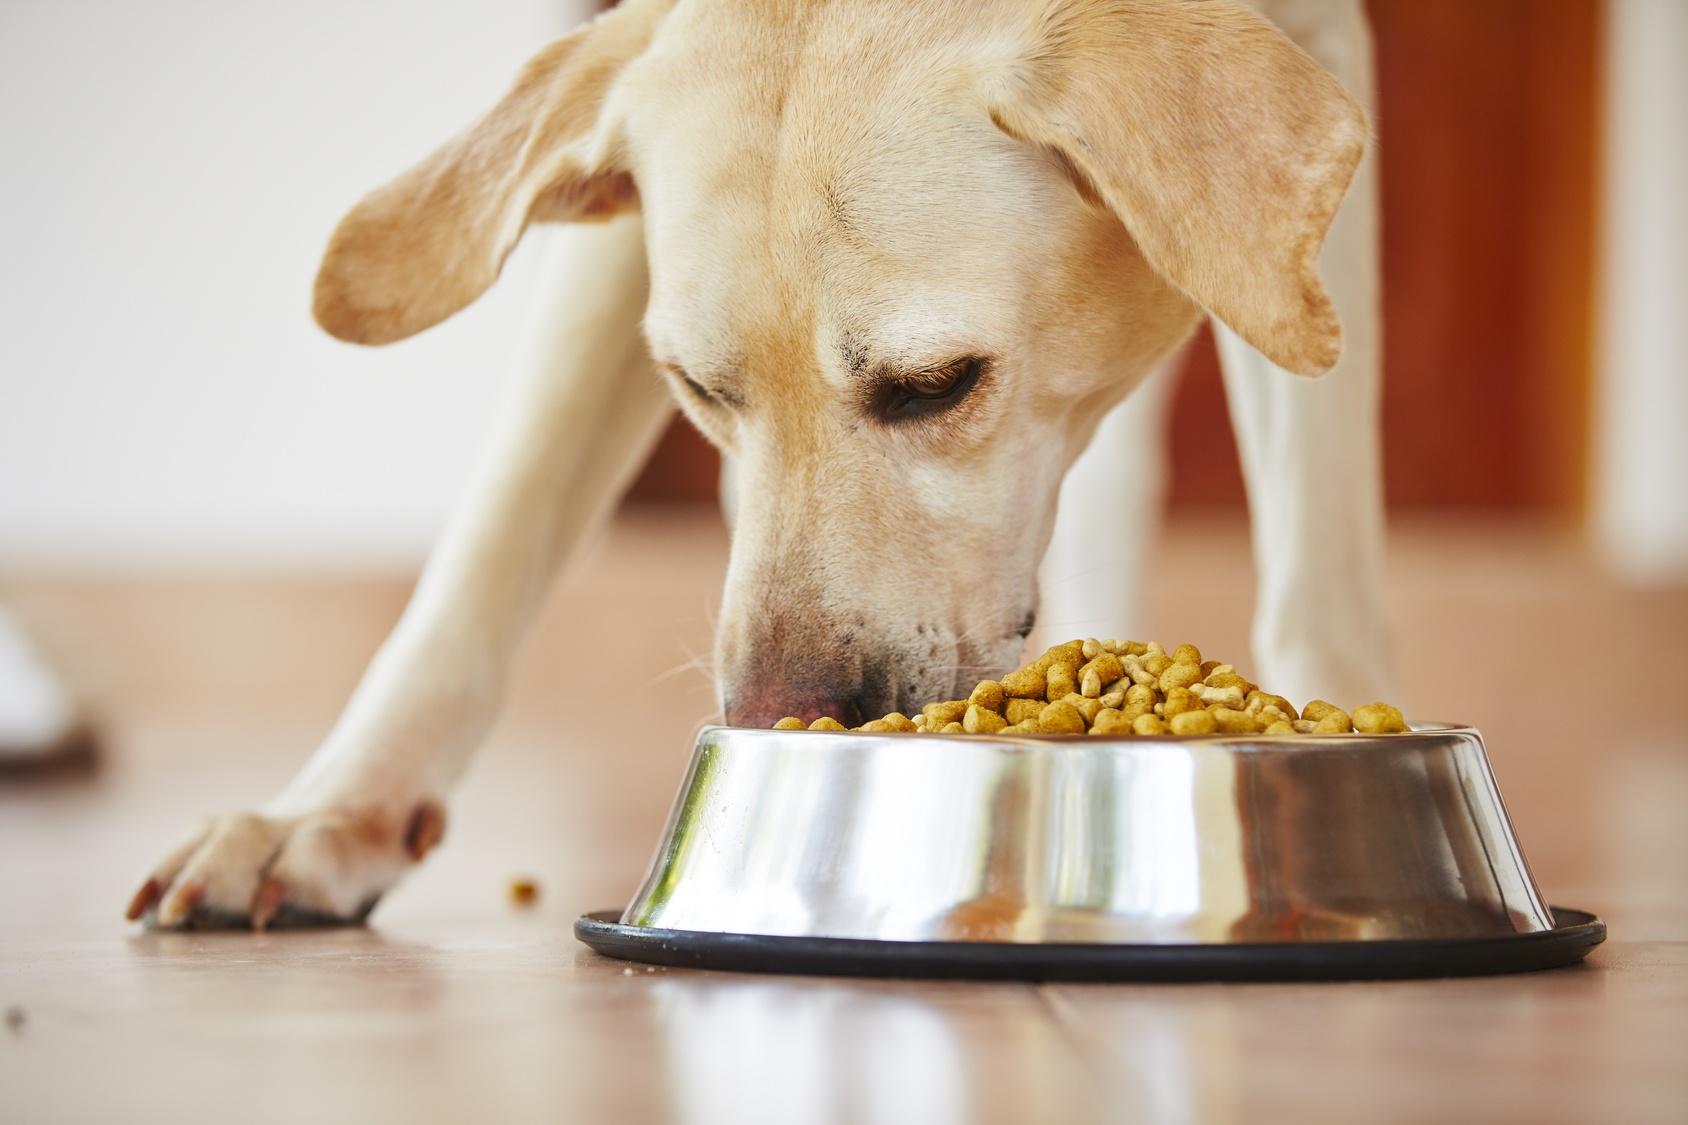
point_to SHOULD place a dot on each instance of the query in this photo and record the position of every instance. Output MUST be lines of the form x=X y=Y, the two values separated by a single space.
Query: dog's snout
x=764 y=708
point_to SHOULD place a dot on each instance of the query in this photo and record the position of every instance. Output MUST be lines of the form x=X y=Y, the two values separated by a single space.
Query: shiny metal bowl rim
x=1327 y=741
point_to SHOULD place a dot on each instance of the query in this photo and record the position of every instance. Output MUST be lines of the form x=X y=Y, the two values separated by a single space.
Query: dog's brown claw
x=178 y=906
x=145 y=899
x=266 y=901
x=425 y=830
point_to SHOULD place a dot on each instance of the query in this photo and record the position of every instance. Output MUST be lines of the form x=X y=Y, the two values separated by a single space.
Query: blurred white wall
x=169 y=172
x=1641 y=426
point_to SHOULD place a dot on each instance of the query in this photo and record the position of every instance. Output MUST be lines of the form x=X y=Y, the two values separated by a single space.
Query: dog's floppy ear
x=420 y=248
x=1222 y=147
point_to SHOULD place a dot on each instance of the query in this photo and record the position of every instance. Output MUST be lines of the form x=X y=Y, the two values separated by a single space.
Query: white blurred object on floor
x=37 y=715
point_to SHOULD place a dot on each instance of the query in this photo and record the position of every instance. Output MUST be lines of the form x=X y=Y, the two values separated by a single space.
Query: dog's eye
x=691 y=384
x=928 y=392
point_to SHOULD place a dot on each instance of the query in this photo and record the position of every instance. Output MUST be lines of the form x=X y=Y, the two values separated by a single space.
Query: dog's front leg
x=1311 y=448
x=583 y=410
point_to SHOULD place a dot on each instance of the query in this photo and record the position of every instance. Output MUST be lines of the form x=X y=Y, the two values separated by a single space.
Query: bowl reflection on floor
x=1034 y=839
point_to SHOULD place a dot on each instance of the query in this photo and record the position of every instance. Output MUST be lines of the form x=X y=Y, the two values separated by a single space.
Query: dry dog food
x=1124 y=688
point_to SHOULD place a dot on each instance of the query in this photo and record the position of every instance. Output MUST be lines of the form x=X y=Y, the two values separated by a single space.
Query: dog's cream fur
x=844 y=207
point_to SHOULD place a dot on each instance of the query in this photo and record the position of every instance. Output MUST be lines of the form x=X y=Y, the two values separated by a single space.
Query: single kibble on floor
x=1124 y=689
x=524 y=892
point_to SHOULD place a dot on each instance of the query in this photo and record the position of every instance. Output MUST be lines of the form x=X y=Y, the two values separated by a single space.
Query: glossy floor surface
x=456 y=1005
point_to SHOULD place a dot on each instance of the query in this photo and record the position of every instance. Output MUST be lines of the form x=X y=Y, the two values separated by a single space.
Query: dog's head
x=904 y=255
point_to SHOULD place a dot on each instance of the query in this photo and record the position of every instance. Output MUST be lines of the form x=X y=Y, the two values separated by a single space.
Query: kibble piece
x=1115 y=696
x=1070 y=655
x=1317 y=710
x=1194 y=722
x=1234 y=722
x=1378 y=718
x=938 y=714
x=896 y=720
x=1180 y=676
x=1229 y=680
x=1148 y=724
x=1281 y=726
x=1107 y=667
x=1085 y=706
x=1110 y=721
x=790 y=722
x=1093 y=648
x=982 y=720
x=952 y=728
x=1060 y=718
x=1223 y=696
x=875 y=725
x=1187 y=654
x=1138 y=674
x=1062 y=682
x=1019 y=711
x=1208 y=667
x=988 y=694
x=1027 y=683
x=1157 y=662
x=827 y=722
x=1333 y=722
x=1260 y=700
x=1130 y=648
x=1180 y=700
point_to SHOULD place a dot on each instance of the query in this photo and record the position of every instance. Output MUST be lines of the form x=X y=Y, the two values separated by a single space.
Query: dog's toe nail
x=145 y=899
x=267 y=900
x=180 y=904
x=426 y=829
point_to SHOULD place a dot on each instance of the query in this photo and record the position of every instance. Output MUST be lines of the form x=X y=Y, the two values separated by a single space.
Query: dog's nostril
x=1025 y=629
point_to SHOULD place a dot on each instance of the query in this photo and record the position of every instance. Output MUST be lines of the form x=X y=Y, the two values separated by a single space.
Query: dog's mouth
x=840 y=680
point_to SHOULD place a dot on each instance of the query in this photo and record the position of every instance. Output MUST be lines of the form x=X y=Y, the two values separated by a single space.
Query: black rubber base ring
x=1575 y=932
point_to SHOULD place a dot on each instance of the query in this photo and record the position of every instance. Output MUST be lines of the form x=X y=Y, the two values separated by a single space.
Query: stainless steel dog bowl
x=1087 y=857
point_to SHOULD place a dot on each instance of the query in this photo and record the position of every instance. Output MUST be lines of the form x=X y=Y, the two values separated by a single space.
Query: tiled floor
x=456 y=1006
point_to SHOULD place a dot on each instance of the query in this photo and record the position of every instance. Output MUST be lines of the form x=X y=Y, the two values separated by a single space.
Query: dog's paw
x=319 y=869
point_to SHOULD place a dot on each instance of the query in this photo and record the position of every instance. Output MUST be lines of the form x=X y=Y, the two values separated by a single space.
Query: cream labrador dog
x=898 y=258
